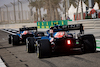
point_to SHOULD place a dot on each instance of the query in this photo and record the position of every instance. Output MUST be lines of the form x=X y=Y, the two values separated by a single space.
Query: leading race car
x=18 y=38
x=60 y=40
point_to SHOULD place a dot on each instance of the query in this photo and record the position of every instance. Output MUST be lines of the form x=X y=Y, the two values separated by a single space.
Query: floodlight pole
x=30 y=7
x=14 y=11
x=67 y=6
x=65 y=9
x=81 y=10
x=7 y=13
x=30 y=1
x=50 y=8
x=0 y=15
x=21 y=9
x=19 y=12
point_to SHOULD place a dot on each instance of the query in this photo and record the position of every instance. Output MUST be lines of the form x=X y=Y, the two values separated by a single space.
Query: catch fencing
x=16 y=12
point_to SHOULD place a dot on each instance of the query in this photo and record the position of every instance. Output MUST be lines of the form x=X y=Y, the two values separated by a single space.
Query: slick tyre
x=15 y=40
x=9 y=39
x=30 y=45
x=88 y=43
x=43 y=48
x=42 y=33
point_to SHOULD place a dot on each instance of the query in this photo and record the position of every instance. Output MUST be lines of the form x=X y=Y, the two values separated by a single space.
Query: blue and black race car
x=18 y=38
x=60 y=40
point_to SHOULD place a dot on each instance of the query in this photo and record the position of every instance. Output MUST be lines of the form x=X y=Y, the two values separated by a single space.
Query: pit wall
x=90 y=23
x=16 y=26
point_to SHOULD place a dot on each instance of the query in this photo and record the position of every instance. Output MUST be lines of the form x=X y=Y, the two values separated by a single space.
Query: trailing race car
x=60 y=40
x=20 y=37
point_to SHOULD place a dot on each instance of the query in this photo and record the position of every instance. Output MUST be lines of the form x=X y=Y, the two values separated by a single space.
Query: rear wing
x=28 y=28
x=69 y=27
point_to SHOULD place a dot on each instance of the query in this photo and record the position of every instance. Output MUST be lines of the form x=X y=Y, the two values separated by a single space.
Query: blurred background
x=31 y=11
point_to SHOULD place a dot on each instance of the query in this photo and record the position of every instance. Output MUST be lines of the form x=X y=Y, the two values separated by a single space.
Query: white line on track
x=97 y=49
x=97 y=39
x=1 y=63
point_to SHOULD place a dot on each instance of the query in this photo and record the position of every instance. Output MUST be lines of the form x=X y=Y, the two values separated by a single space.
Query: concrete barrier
x=89 y=23
x=16 y=26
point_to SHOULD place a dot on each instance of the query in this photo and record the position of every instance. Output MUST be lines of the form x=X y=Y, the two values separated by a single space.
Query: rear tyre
x=43 y=48
x=88 y=43
x=39 y=34
x=15 y=40
x=42 y=33
x=30 y=45
x=9 y=39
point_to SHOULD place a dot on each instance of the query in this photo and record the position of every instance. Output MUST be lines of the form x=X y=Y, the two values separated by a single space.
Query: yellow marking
x=27 y=48
x=38 y=26
x=62 y=23
x=51 y=26
x=57 y=22
x=51 y=23
x=47 y=23
x=47 y=26
x=42 y=26
x=38 y=23
x=42 y=23
x=37 y=54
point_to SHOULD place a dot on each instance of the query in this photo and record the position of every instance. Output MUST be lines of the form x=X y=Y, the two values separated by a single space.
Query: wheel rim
x=37 y=51
x=82 y=48
x=27 y=45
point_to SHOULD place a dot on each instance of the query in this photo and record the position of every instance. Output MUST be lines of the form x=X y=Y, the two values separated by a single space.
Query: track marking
x=98 y=44
x=97 y=49
x=3 y=38
x=26 y=65
x=49 y=63
x=2 y=64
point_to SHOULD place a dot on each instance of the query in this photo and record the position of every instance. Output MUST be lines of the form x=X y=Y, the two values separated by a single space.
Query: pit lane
x=18 y=57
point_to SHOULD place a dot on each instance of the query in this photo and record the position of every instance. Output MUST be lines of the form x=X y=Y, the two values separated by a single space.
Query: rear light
x=69 y=42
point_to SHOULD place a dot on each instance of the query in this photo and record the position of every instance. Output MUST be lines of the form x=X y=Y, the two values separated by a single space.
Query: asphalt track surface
x=16 y=56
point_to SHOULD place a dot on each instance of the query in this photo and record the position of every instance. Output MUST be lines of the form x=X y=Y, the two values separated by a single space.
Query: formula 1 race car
x=18 y=38
x=60 y=40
